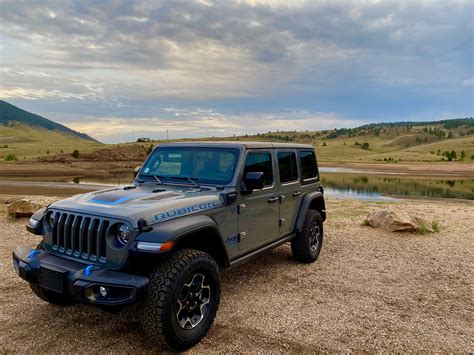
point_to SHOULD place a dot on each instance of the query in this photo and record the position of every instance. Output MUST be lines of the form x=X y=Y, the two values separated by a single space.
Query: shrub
x=365 y=222
x=11 y=157
x=75 y=153
x=47 y=152
x=436 y=226
x=324 y=144
x=422 y=229
x=365 y=145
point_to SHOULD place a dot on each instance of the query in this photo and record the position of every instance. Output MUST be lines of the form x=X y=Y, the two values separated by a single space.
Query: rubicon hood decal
x=186 y=210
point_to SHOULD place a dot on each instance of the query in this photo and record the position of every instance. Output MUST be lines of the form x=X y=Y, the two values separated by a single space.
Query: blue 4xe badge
x=232 y=240
x=186 y=210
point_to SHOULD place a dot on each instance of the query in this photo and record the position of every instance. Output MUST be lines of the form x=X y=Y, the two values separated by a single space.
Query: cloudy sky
x=115 y=69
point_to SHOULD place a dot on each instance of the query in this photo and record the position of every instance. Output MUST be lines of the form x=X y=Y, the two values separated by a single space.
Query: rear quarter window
x=309 y=169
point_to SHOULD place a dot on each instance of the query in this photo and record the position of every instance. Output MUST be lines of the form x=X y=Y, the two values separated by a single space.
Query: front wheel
x=307 y=244
x=182 y=300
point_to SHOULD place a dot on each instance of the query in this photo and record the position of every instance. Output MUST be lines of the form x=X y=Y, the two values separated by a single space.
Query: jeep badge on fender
x=192 y=209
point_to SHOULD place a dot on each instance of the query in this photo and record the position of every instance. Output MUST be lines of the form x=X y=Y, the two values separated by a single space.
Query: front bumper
x=84 y=282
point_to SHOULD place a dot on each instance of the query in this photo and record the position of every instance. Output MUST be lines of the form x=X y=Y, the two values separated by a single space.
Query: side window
x=309 y=169
x=260 y=162
x=287 y=167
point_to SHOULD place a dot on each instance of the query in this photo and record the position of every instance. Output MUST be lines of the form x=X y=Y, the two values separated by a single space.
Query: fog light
x=103 y=291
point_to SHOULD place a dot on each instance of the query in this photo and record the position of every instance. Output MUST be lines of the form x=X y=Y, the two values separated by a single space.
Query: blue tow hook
x=88 y=270
x=33 y=253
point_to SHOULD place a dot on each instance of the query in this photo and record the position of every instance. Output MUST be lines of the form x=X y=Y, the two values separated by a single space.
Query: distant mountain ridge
x=9 y=112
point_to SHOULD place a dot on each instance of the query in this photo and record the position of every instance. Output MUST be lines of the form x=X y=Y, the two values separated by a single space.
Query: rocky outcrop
x=27 y=206
x=397 y=221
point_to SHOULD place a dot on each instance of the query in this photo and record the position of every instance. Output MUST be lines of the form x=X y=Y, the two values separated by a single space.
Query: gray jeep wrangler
x=192 y=209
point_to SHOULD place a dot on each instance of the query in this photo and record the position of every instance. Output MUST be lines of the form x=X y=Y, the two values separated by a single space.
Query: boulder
x=397 y=221
x=27 y=206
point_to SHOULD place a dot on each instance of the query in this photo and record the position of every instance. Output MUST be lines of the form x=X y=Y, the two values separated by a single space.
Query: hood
x=153 y=203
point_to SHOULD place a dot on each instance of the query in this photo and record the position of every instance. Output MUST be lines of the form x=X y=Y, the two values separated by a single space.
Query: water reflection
x=345 y=184
x=340 y=184
x=357 y=186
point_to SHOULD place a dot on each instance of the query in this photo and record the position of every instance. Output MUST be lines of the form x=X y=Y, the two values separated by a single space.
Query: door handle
x=273 y=199
x=296 y=193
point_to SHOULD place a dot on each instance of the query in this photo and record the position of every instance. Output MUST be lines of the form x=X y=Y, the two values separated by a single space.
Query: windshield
x=195 y=165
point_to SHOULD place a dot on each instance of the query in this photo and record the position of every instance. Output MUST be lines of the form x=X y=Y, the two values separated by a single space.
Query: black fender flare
x=37 y=216
x=181 y=228
x=315 y=198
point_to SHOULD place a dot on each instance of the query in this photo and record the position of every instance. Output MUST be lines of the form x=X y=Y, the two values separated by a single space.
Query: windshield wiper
x=158 y=179
x=192 y=180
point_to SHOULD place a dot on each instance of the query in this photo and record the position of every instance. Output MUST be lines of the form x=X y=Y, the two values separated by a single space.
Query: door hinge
x=282 y=221
x=241 y=208
x=242 y=236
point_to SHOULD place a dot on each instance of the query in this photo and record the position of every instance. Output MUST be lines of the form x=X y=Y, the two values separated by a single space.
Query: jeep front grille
x=80 y=236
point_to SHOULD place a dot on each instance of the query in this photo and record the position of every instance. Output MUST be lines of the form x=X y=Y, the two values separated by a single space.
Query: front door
x=258 y=210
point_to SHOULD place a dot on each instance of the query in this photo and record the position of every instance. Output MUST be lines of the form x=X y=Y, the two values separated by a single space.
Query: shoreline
x=446 y=170
x=91 y=168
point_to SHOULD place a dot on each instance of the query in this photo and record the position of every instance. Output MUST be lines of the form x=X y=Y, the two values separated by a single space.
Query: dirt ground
x=369 y=291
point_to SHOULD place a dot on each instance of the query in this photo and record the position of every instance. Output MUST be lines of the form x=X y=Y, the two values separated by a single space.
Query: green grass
x=436 y=226
x=425 y=229
x=27 y=142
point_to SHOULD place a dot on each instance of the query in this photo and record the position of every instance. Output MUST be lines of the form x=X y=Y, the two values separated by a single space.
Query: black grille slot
x=80 y=236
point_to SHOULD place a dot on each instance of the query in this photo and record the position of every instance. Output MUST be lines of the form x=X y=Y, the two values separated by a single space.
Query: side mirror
x=136 y=171
x=253 y=181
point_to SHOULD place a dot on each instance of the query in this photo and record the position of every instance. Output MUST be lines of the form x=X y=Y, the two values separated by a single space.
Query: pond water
x=383 y=187
x=340 y=183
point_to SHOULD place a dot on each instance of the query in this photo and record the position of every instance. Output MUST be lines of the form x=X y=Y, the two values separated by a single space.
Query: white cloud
x=125 y=59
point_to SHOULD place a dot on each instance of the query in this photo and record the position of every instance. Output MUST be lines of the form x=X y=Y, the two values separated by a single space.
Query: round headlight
x=124 y=234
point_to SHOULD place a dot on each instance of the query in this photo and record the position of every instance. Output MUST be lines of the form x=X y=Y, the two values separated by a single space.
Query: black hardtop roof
x=246 y=144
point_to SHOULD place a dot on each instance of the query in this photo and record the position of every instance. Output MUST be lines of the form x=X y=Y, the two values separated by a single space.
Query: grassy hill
x=377 y=143
x=387 y=142
x=25 y=135
x=10 y=114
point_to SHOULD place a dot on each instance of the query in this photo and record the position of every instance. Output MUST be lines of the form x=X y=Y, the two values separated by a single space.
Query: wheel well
x=207 y=240
x=319 y=205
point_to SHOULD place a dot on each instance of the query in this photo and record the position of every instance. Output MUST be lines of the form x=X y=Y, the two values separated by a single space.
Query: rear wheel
x=183 y=299
x=307 y=244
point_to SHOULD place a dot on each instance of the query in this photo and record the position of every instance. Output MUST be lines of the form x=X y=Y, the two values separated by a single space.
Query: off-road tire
x=166 y=282
x=49 y=296
x=301 y=246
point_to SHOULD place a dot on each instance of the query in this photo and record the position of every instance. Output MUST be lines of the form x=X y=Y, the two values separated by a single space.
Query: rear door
x=289 y=192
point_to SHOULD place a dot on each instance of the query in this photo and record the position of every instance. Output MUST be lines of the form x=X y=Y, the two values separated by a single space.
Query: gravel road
x=369 y=291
